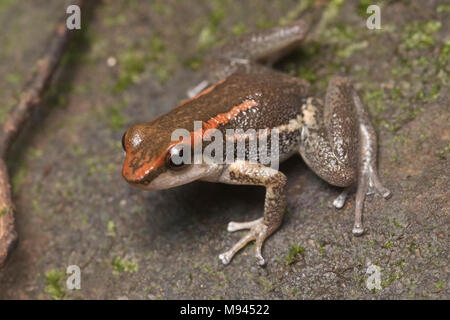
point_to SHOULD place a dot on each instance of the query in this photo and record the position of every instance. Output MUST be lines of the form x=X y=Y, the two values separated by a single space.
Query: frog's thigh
x=339 y=143
x=329 y=138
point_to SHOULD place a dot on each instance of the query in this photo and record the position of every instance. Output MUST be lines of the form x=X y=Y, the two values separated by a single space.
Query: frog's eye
x=123 y=141
x=175 y=159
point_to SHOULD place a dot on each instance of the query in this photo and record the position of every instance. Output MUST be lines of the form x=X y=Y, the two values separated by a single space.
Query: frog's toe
x=375 y=185
x=384 y=192
x=260 y=260
x=357 y=230
x=368 y=183
x=258 y=231
x=235 y=226
x=339 y=202
x=225 y=257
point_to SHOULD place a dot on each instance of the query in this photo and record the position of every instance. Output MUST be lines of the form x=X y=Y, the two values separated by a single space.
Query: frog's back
x=244 y=101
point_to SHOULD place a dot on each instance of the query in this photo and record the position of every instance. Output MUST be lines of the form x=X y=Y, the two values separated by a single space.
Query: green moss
x=400 y=263
x=447 y=148
x=389 y=281
x=413 y=246
x=35 y=153
x=239 y=29
x=295 y=12
x=264 y=22
x=361 y=7
x=388 y=244
x=111 y=227
x=375 y=102
x=445 y=153
x=123 y=265
x=321 y=250
x=397 y=224
x=293 y=252
x=19 y=178
x=4 y=109
x=206 y=268
x=132 y=64
x=5 y=4
x=443 y=8
x=434 y=92
x=55 y=279
x=420 y=35
x=208 y=36
x=348 y=51
x=14 y=78
x=116 y=116
x=4 y=211
x=330 y=13
x=77 y=150
x=339 y=34
x=444 y=55
x=99 y=166
x=115 y=20
x=193 y=63
x=266 y=283
x=161 y=8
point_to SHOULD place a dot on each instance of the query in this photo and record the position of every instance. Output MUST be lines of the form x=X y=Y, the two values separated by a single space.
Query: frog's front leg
x=243 y=172
x=338 y=142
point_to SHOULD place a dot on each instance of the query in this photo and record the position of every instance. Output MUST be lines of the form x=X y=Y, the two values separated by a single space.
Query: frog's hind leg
x=338 y=142
x=264 y=46
x=368 y=180
x=251 y=52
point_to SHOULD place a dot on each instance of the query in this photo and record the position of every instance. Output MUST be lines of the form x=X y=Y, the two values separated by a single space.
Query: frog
x=241 y=90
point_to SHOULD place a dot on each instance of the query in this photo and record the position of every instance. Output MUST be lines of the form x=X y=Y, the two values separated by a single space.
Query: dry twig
x=29 y=99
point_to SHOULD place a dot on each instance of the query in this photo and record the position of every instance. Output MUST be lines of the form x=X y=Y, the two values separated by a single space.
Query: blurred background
x=134 y=60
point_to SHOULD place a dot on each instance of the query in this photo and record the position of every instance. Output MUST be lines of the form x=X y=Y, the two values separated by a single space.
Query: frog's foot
x=258 y=231
x=368 y=183
x=339 y=202
x=368 y=180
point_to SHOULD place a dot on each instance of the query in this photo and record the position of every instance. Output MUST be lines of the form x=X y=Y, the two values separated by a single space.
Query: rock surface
x=133 y=61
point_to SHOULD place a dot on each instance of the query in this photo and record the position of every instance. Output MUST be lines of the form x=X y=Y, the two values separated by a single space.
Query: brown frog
x=335 y=138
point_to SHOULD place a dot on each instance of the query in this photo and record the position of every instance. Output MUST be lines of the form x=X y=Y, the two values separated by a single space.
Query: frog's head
x=153 y=161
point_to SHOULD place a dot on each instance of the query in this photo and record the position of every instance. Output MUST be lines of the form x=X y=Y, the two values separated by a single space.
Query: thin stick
x=15 y=120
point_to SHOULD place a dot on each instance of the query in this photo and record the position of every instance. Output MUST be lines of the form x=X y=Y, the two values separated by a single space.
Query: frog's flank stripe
x=226 y=117
x=220 y=119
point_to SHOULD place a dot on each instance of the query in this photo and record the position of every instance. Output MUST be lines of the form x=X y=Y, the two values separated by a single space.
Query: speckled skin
x=335 y=138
